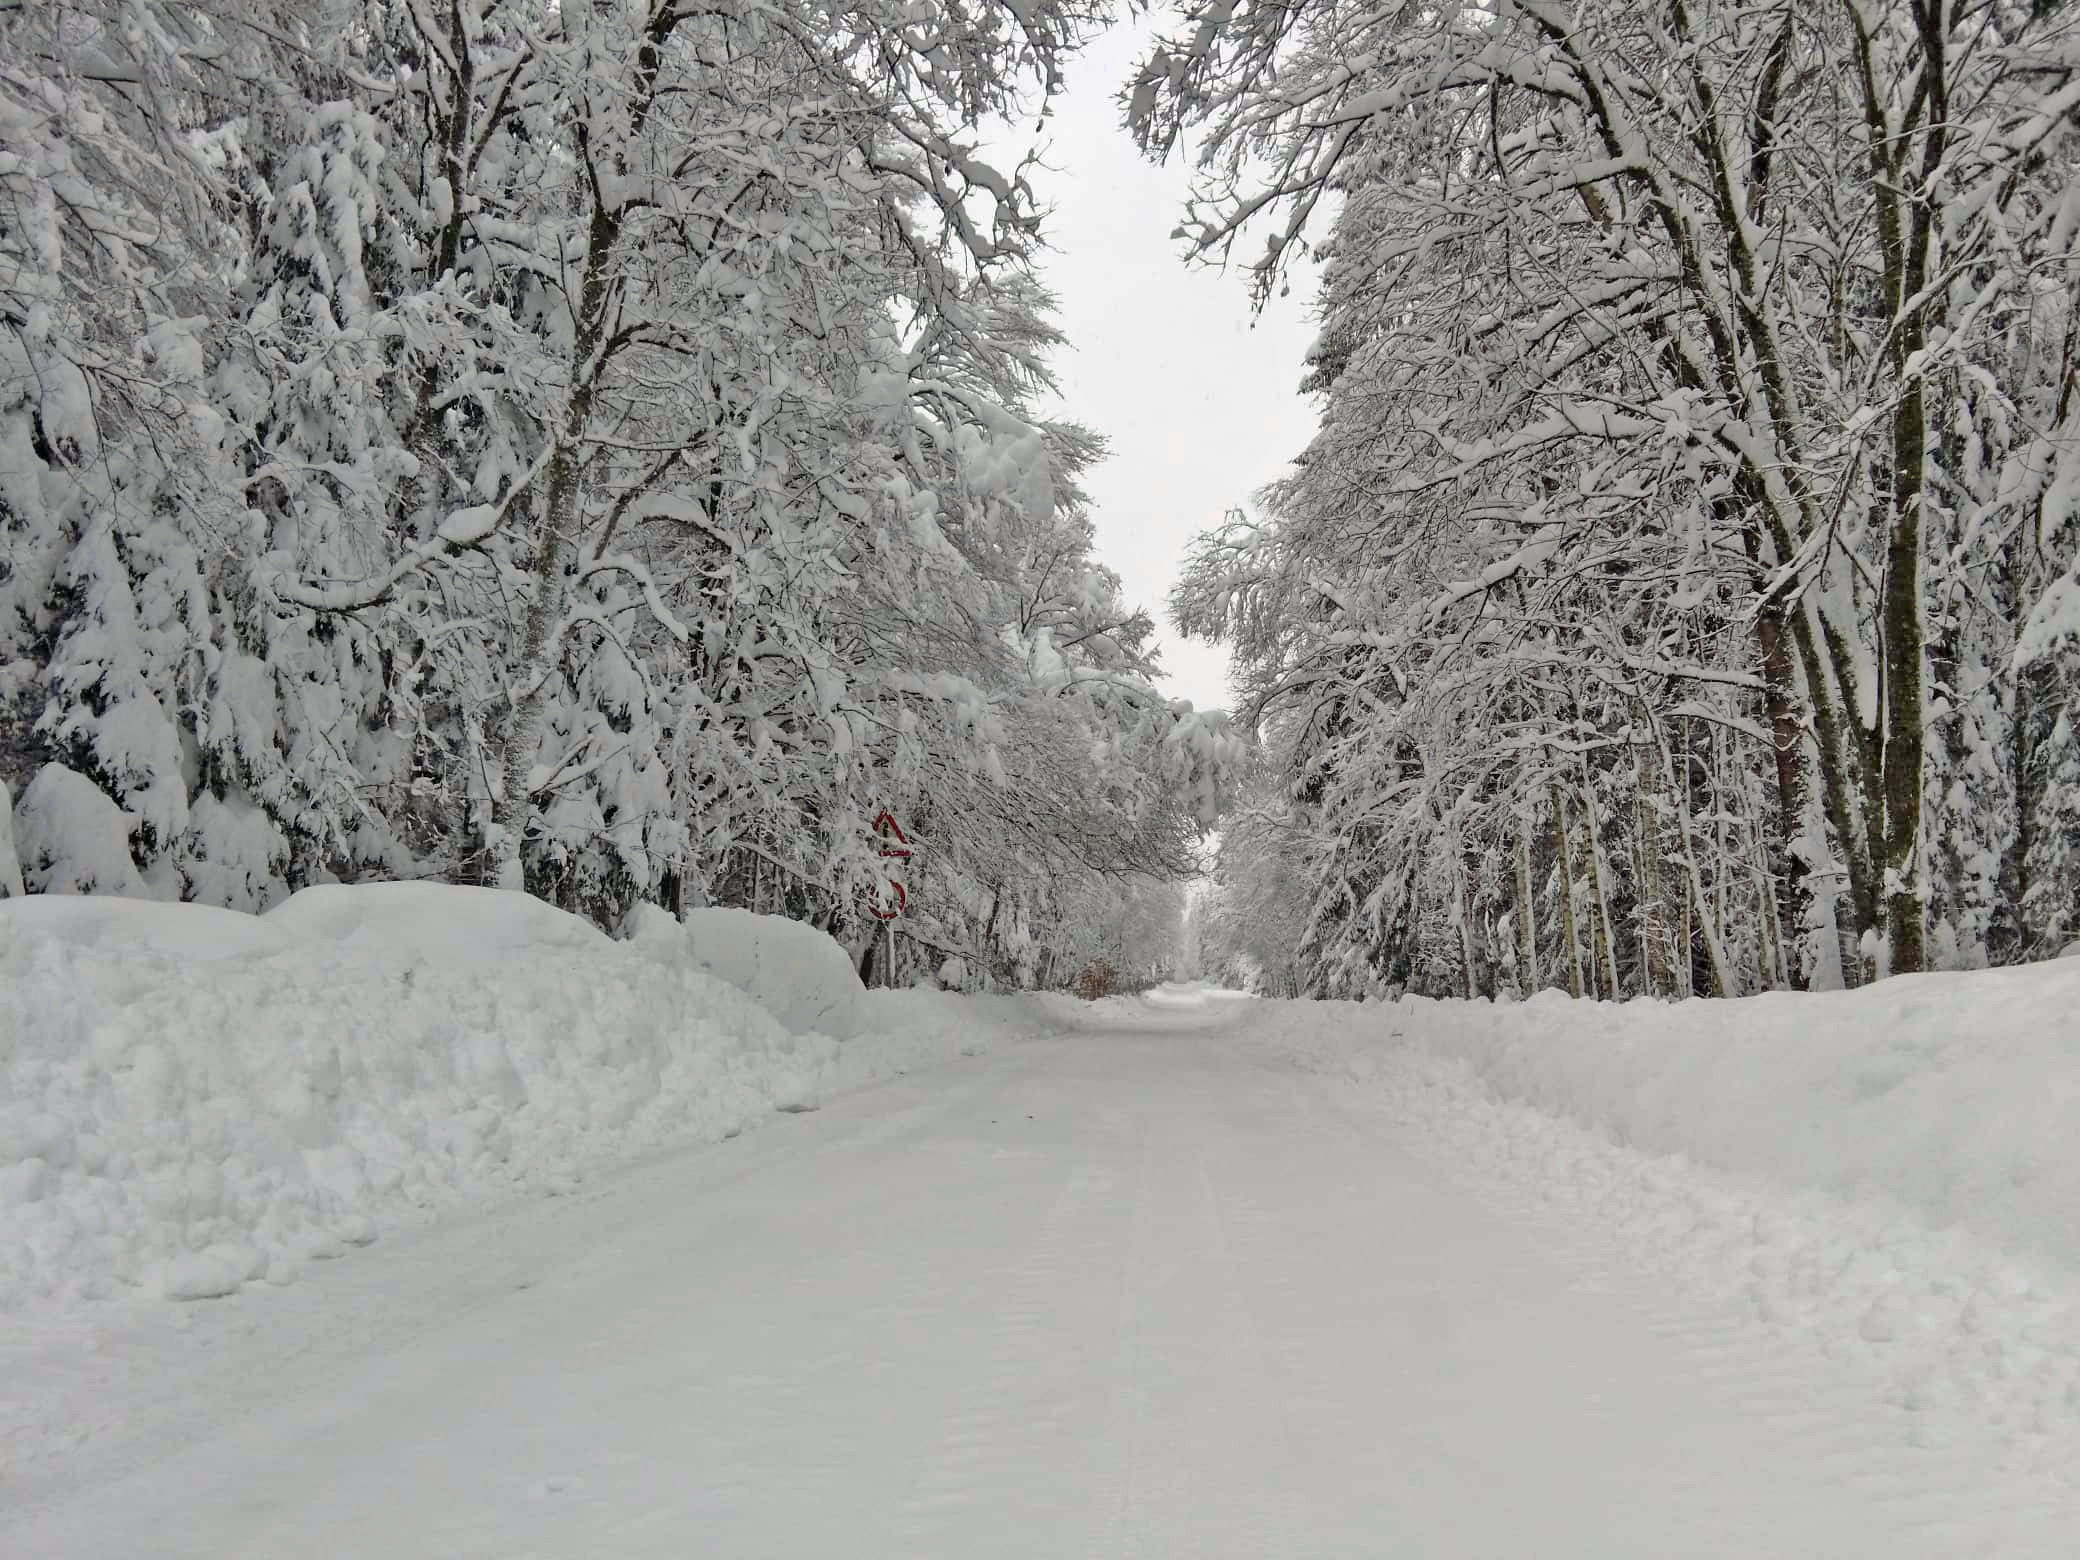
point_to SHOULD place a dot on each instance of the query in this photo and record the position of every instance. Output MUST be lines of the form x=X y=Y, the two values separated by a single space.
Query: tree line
x=1681 y=593
x=592 y=448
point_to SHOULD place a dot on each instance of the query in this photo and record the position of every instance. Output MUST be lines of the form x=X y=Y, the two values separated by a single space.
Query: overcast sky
x=1198 y=401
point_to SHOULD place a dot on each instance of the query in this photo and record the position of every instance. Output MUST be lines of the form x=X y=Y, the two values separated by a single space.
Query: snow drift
x=792 y=970
x=193 y=1099
x=1954 y=1097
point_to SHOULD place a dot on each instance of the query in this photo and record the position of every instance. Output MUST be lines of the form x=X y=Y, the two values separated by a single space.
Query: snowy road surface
x=1142 y=1294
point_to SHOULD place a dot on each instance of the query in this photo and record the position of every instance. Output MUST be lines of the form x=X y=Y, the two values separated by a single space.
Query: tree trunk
x=1721 y=875
x=1649 y=879
x=1695 y=898
x=1527 y=926
x=1600 y=905
x=1769 y=932
x=1465 y=942
x=1566 y=879
x=1787 y=752
x=1904 y=716
x=1905 y=210
x=542 y=629
x=538 y=643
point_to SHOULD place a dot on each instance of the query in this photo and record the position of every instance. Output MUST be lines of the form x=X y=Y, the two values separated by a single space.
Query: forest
x=611 y=450
x=1679 y=595
x=590 y=448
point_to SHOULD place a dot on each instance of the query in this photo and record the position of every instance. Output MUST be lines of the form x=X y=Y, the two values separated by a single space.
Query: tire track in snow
x=1123 y=1431
x=1195 y=1459
x=1031 y=1396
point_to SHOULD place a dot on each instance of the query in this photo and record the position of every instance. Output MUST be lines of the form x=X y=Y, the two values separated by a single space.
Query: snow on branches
x=585 y=447
x=1670 y=599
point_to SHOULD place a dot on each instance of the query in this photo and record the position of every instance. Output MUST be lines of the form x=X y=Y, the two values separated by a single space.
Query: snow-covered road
x=1148 y=1293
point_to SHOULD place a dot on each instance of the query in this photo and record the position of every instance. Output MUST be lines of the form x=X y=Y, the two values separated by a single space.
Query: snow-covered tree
x=589 y=448
x=1671 y=369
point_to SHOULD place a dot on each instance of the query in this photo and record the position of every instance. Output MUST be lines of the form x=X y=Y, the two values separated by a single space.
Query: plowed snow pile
x=193 y=1099
x=1878 y=1192
x=1954 y=1098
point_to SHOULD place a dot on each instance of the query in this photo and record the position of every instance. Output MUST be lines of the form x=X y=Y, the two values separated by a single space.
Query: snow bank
x=807 y=980
x=1958 y=1353
x=458 y=928
x=194 y=1099
x=798 y=974
x=1953 y=1096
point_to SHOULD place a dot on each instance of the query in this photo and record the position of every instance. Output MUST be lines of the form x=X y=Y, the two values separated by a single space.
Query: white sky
x=1200 y=403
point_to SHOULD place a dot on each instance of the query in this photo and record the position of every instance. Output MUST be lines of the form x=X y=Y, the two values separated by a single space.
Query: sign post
x=895 y=846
